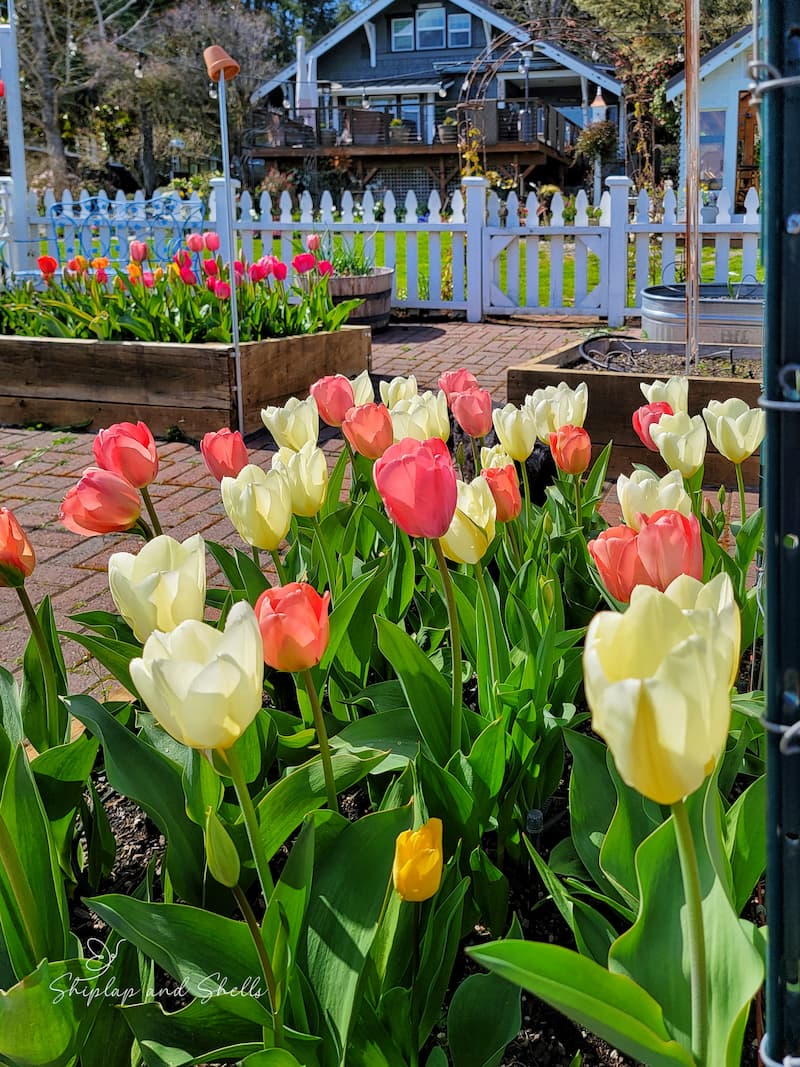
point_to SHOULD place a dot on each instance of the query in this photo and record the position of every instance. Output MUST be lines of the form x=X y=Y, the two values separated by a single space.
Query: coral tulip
x=571 y=448
x=736 y=430
x=421 y=417
x=128 y=450
x=293 y=620
x=453 y=382
x=224 y=453
x=503 y=483
x=516 y=430
x=294 y=424
x=203 y=685
x=211 y=241
x=397 y=389
x=644 y=493
x=334 y=397
x=102 y=502
x=259 y=504
x=17 y=558
x=418 y=862
x=139 y=251
x=657 y=681
x=682 y=441
x=556 y=406
x=369 y=429
x=472 y=411
x=674 y=391
x=417 y=484
x=645 y=417
x=161 y=586
x=306 y=473
x=472 y=527
x=616 y=555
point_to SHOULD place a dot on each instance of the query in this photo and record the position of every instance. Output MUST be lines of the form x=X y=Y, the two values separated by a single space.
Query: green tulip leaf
x=746 y=841
x=11 y=730
x=484 y=1017
x=630 y=825
x=394 y=731
x=592 y=802
x=271 y=1057
x=610 y=1005
x=440 y=943
x=114 y=655
x=32 y=695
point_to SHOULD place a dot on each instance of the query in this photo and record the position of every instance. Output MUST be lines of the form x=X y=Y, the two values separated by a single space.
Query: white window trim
x=436 y=47
x=404 y=18
x=460 y=14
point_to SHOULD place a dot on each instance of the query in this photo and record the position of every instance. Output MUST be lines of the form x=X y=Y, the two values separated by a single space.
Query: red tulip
x=47 y=265
x=670 y=544
x=101 y=276
x=195 y=242
x=644 y=417
x=417 y=484
x=102 y=502
x=258 y=272
x=211 y=241
x=279 y=270
x=293 y=620
x=303 y=262
x=472 y=411
x=129 y=451
x=457 y=381
x=182 y=258
x=224 y=453
x=210 y=267
x=313 y=242
x=325 y=266
x=571 y=447
x=188 y=276
x=616 y=554
x=78 y=265
x=17 y=558
x=139 y=251
x=369 y=430
x=504 y=485
x=334 y=397
x=222 y=291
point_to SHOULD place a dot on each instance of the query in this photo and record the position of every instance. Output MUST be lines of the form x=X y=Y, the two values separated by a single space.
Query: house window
x=712 y=147
x=459 y=33
x=430 y=27
x=403 y=35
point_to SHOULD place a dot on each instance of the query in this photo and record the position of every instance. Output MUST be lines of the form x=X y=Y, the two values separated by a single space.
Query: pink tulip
x=303 y=262
x=139 y=251
x=571 y=448
x=210 y=267
x=369 y=429
x=102 y=502
x=644 y=417
x=504 y=485
x=222 y=291
x=148 y=279
x=224 y=453
x=417 y=484
x=195 y=242
x=129 y=451
x=258 y=272
x=279 y=270
x=294 y=625
x=472 y=411
x=182 y=258
x=670 y=544
x=334 y=397
x=268 y=263
x=457 y=381
x=188 y=276
x=101 y=276
x=313 y=242
x=616 y=555
x=211 y=241
x=324 y=266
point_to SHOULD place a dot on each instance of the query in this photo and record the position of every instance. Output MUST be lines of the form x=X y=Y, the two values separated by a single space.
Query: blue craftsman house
x=393 y=96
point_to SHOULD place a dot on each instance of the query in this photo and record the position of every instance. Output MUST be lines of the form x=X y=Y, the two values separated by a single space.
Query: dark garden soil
x=629 y=355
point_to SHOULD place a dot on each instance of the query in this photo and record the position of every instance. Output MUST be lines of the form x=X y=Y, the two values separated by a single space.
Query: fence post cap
x=218 y=62
x=618 y=179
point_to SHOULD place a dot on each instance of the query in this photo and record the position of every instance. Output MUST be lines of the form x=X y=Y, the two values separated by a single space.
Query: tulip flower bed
x=418 y=714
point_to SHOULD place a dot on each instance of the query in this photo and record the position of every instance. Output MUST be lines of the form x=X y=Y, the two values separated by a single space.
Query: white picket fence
x=482 y=257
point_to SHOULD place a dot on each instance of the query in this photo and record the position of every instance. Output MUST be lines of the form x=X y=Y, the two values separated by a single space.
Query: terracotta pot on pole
x=221 y=68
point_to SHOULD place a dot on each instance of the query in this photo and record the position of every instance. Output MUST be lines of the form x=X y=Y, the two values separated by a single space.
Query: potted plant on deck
x=398 y=132
x=448 y=130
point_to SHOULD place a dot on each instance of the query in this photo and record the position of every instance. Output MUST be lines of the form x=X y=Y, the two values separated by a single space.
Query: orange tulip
x=504 y=485
x=369 y=430
x=616 y=555
x=102 y=502
x=417 y=484
x=224 y=453
x=17 y=558
x=571 y=447
x=128 y=450
x=293 y=620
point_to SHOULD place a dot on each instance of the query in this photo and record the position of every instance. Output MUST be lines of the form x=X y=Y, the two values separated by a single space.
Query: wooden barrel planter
x=375 y=289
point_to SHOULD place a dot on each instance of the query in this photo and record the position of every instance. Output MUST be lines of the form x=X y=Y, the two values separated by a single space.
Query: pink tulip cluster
x=106 y=500
x=470 y=404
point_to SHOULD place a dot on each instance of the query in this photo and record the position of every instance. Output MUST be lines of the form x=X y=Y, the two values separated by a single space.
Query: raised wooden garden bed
x=615 y=395
x=64 y=382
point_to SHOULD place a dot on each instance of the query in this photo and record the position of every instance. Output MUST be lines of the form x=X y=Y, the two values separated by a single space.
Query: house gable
x=713 y=60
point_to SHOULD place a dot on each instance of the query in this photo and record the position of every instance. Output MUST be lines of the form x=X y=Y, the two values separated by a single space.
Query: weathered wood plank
x=162 y=420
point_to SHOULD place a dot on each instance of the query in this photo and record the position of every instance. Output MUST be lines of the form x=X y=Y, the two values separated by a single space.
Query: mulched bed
x=630 y=355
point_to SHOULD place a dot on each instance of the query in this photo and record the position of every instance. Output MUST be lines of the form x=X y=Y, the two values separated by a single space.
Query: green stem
x=266 y=966
x=456 y=710
x=513 y=528
x=279 y=567
x=490 y=629
x=151 y=511
x=353 y=472
x=330 y=567
x=140 y=527
x=48 y=668
x=697 y=948
x=250 y=821
x=527 y=491
x=322 y=738
x=416 y=905
x=256 y=557
x=742 y=497
x=578 y=514
x=476 y=456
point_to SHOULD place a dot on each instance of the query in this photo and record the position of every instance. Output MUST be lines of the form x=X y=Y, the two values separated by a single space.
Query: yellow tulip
x=736 y=430
x=161 y=586
x=259 y=504
x=516 y=430
x=306 y=473
x=644 y=493
x=203 y=685
x=397 y=389
x=471 y=530
x=293 y=425
x=421 y=417
x=556 y=406
x=496 y=456
x=418 y=861
x=363 y=390
x=682 y=440
x=674 y=391
x=657 y=680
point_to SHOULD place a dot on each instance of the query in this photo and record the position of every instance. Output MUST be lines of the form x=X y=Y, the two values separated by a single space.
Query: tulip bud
x=736 y=430
x=313 y=242
x=211 y=241
x=571 y=448
x=516 y=431
x=221 y=854
x=503 y=483
x=17 y=558
x=293 y=620
x=139 y=251
x=334 y=397
x=128 y=450
x=259 y=504
x=418 y=861
x=644 y=417
x=195 y=242
x=294 y=424
x=473 y=411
